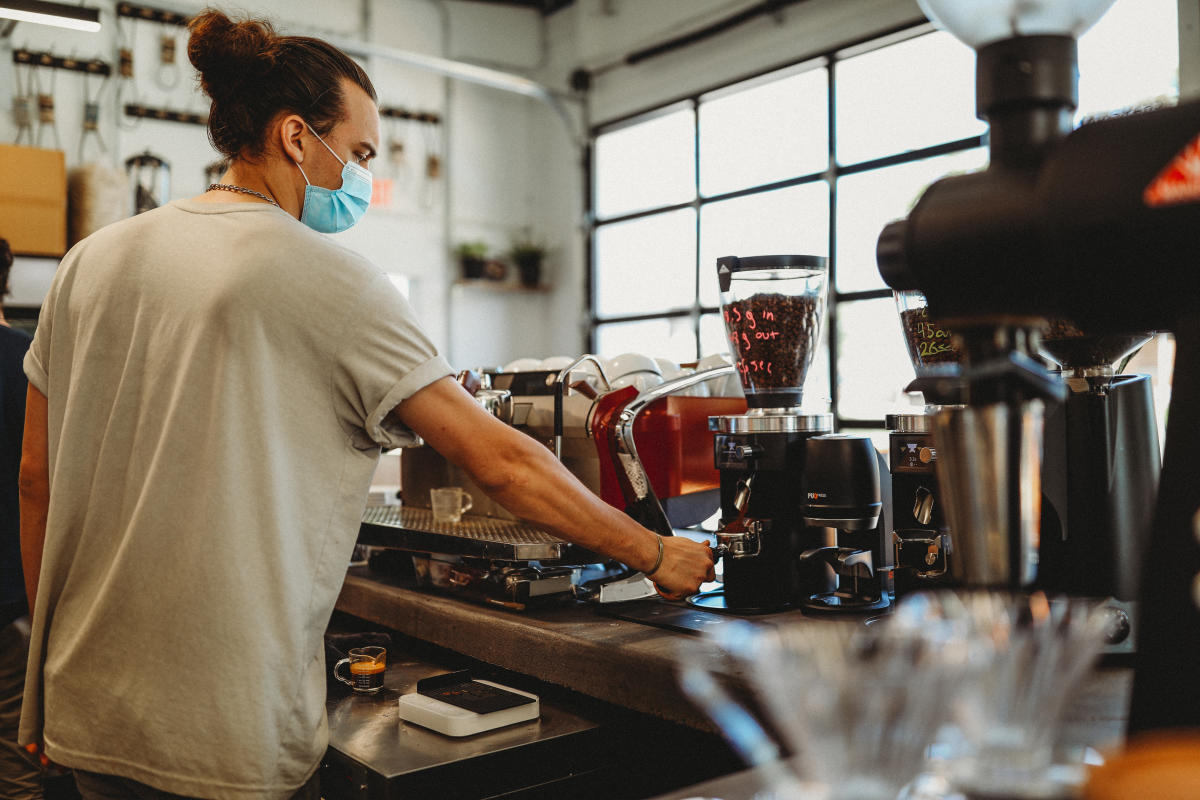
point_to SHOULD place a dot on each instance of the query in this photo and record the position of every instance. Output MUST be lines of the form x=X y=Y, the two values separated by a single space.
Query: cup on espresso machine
x=773 y=307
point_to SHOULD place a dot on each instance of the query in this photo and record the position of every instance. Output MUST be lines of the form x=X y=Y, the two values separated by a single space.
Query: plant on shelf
x=528 y=256
x=472 y=257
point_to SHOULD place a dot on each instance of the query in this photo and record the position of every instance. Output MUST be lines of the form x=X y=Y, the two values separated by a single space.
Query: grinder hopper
x=773 y=308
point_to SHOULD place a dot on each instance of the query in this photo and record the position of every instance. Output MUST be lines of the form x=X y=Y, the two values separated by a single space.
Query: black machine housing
x=1098 y=225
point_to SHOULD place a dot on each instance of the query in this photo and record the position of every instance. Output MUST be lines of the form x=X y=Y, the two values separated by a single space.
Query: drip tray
x=664 y=614
x=406 y=528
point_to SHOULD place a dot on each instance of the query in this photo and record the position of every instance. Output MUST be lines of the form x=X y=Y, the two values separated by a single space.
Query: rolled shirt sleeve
x=384 y=359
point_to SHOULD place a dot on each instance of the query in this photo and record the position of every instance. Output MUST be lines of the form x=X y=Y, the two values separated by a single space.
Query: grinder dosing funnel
x=773 y=308
x=1083 y=354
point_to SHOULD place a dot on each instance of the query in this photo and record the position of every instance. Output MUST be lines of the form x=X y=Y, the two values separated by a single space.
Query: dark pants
x=94 y=786
x=20 y=774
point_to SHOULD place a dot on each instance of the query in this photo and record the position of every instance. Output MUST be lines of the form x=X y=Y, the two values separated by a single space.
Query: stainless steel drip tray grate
x=406 y=528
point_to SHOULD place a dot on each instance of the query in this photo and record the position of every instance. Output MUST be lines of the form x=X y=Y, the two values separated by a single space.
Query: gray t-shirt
x=218 y=378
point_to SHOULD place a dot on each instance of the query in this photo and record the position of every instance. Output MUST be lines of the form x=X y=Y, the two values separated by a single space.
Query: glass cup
x=367 y=666
x=449 y=504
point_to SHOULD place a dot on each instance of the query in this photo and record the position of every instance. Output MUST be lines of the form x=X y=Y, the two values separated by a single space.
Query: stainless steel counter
x=374 y=754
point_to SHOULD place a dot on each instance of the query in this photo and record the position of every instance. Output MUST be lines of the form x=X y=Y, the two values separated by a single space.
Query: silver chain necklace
x=229 y=187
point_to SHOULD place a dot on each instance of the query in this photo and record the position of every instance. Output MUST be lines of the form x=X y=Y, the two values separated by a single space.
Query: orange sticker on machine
x=1179 y=181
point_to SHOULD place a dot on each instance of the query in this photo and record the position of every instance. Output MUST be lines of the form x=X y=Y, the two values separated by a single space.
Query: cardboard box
x=33 y=200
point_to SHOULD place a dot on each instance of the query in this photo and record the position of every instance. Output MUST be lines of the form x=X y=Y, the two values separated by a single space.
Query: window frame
x=833 y=172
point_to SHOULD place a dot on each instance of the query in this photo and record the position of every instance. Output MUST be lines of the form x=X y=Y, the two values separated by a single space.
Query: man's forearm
x=526 y=479
x=34 y=487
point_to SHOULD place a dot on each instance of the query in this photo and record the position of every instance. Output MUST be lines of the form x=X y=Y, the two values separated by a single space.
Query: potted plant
x=472 y=256
x=528 y=255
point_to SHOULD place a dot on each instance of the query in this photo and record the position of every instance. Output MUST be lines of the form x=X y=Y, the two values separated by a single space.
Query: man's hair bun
x=227 y=53
x=252 y=76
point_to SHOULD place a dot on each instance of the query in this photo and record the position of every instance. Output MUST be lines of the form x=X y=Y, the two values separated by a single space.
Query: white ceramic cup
x=449 y=504
x=556 y=363
x=639 y=380
x=627 y=363
x=523 y=365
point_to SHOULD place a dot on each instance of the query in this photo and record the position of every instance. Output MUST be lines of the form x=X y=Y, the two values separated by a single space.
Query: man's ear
x=291 y=137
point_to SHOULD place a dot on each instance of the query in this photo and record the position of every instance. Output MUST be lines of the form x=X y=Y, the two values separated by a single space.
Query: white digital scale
x=457 y=705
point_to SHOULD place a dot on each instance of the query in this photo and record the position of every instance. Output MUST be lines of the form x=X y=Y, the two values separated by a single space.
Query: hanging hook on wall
x=91 y=115
x=397 y=151
x=431 y=133
x=126 y=75
x=45 y=101
x=23 y=103
x=168 y=72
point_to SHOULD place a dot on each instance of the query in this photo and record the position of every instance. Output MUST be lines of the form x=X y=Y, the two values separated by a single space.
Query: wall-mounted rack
x=427 y=117
x=148 y=14
x=164 y=115
x=34 y=59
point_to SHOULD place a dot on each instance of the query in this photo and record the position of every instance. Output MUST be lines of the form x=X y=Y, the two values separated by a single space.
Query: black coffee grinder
x=773 y=308
x=844 y=490
x=920 y=533
x=1100 y=473
x=1096 y=225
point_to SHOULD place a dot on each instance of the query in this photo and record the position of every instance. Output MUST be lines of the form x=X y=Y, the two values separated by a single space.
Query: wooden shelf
x=499 y=286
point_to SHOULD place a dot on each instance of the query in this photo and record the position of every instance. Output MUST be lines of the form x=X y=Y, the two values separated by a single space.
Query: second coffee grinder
x=773 y=308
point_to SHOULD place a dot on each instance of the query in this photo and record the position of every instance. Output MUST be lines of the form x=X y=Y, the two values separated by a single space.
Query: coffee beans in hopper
x=774 y=338
x=928 y=342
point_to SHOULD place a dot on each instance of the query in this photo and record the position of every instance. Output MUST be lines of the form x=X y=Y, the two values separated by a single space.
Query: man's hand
x=686 y=564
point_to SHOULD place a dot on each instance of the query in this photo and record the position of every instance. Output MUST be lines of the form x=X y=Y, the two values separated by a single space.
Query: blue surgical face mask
x=335 y=210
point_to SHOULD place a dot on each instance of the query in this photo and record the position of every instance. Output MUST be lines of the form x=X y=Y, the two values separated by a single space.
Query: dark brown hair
x=252 y=75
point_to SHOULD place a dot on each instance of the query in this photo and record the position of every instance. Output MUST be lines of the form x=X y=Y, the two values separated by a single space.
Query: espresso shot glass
x=366 y=666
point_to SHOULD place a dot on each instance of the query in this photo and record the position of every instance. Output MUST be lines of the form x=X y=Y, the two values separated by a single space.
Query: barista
x=210 y=386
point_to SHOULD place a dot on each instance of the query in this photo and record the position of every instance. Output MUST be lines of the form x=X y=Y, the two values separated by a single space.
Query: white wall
x=510 y=165
x=487 y=188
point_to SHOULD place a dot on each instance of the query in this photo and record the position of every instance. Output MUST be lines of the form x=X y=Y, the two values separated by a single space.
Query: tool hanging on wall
x=23 y=104
x=126 y=88
x=396 y=150
x=45 y=103
x=167 y=75
x=91 y=115
x=151 y=179
x=431 y=133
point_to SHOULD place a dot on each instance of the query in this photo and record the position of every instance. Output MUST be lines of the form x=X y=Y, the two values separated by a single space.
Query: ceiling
x=544 y=6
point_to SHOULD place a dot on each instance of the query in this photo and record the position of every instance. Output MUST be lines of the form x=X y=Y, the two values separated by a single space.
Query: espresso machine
x=844 y=491
x=773 y=308
x=1097 y=226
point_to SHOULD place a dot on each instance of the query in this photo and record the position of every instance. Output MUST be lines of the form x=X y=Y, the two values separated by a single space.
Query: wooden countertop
x=627 y=663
